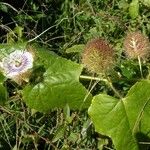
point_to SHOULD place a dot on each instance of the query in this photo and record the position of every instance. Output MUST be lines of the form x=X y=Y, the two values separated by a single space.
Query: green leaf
x=66 y=112
x=3 y=8
x=73 y=137
x=76 y=49
x=146 y=2
x=122 y=4
x=19 y=31
x=134 y=9
x=59 y=134
x=137 y=104
x=124 y=119
x=58 y=85
x=3 y=90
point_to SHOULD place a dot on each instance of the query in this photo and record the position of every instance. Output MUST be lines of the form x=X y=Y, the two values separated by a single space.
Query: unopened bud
x=137 y=45
x=98 y=56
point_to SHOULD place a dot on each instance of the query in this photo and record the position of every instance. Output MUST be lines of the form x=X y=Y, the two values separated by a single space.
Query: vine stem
x=107 y=81
x=92 y=78
x=113 y=88
x=88 y=94
x=31 y=40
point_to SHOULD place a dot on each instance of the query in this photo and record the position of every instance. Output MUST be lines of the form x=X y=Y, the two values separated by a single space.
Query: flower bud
x=137 y=45
x=98 y=56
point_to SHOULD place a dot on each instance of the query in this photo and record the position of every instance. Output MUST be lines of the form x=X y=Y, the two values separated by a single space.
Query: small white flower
x=16 y=63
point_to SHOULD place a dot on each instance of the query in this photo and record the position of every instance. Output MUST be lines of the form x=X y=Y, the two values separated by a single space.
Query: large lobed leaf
x=123 y=119
x=59 y=84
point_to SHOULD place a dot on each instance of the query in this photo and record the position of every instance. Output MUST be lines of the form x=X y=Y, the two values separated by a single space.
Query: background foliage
x=63 y=27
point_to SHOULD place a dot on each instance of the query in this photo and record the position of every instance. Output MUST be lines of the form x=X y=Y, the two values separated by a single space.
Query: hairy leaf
x=123 y=119
x=57 y=86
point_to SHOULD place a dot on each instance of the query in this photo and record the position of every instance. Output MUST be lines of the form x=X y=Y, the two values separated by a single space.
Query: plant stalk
x=140 y=65
x=107 y=81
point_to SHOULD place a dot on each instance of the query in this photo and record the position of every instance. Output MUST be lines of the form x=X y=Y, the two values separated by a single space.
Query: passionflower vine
x=16 y=63
x=98 y=56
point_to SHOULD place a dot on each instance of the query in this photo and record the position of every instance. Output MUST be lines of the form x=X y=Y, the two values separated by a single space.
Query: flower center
x=18 y=63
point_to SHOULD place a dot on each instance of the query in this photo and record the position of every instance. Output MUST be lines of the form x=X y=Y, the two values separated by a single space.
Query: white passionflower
x=16 y=63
